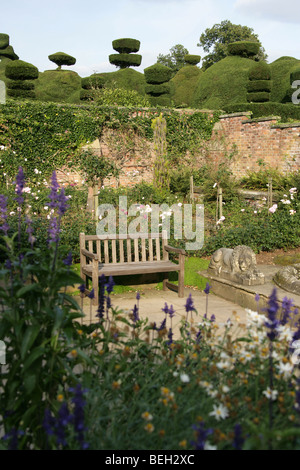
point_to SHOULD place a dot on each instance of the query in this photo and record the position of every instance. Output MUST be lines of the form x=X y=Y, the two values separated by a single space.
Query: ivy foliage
x=46 y=137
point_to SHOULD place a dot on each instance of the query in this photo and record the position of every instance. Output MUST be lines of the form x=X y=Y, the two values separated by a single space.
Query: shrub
x=20 y=84
x=126 y=45
x=21 y=93
x=192 y=59
x=4 y=40
x=156 y=90
x=125 y=60
x=295 y=75
x=157 y=73
x=20 y=70
x=286 y=111
x=61 y=58
x=260 y=71
x=94 y=81
x=244 y=48
x=9 y=53
x=120 y=97
x=259 y=85
x=258 y=97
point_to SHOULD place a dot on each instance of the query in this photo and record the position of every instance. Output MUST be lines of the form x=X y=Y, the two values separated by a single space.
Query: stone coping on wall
x=261 y=119
x=233 y=115
x=286 y=125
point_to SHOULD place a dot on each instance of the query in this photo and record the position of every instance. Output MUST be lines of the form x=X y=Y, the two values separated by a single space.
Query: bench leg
x=181 y=277
x=95 y=280
x=165 y=281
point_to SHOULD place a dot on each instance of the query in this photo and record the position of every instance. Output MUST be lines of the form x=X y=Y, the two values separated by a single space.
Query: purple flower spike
x=110 y=285
x=91 y=295
x=171 y=311
x=20 y=182
x=207 y=288
x=166 y=308
x=272 y=322
x=3 y=214
x=82 y=288
x=54 y=190
x=68 y=260
x=189 y=306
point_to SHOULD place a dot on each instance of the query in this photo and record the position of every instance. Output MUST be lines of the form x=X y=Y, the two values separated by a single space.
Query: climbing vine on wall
x=44 y=137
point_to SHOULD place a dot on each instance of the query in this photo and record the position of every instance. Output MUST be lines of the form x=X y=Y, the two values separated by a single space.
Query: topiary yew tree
x=126 y=57
x=20 y=74
x=61 y=58
x=192 y=59
x=260 y=84
x=6 y=51
x=247 y=49
x=157 y=77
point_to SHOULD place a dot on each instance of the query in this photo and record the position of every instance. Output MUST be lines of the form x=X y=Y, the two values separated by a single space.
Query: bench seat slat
x=133 y=268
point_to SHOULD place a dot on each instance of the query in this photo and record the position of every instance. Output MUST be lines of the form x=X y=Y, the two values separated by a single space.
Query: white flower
x=36 y=171
x=225 y=389
x=224 y=365
x=184 y=378
x=285 y=333
x=242 y=210
x=208 y=446
x=254 y=318
x=293 y=190
x=273 y=208
x=285 y=369
x=212 y=393
x=179 y=204
x=292 y=212
x=46 y=208
x=285 y=201
x=215 y=185
x=12 y=213
x=271 y=394
x=219 y=412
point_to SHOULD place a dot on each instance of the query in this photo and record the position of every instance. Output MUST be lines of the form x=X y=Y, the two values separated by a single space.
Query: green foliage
x=280 y=71
x=260 y=71
x=120 y=97
x=94 y=168
x=246 y=49
x=258 y=180
x=222 y=84
x=156 y=90
x=157 y=73
x=258 y=97
x=295 y=75
x=215 y=40
x=192 y=59
x=20 y=70
x=259 y=85
x=286 y=111
x=4 y=40
x=92 y=82
x=161 y=178
x=61 y=58
x=9 y=53
x=20 y=84
x=21 y=93
x=126 y=45
x=175 y=60
x=185 y=83
x=58 y=86
x=125 y=60
x=45 y=136
x=128 y=78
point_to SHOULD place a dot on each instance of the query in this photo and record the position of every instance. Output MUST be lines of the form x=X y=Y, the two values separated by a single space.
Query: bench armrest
x=89 y=255
x=179 y=251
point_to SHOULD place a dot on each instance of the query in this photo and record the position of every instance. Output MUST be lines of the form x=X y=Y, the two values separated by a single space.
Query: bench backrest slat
x=125 y=248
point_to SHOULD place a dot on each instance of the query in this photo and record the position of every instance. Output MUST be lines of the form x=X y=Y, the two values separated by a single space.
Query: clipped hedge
x=157 y=73
x=20 y=70
x=4 y=40
x=9 y=53
x=259 y=85
x=126 y=45
x=125 y=60
x=243 y=48
x=258 y=97
x=156 y=90
x=285 y=111
x=89 y=83
x=21 y=93
x=20 y=84
x=192 y=59
x=61 y=58
x=260 y=71
x=295 y=75
x=87 y=95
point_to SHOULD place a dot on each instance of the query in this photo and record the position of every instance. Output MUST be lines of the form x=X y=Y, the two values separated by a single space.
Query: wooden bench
x=123 y=255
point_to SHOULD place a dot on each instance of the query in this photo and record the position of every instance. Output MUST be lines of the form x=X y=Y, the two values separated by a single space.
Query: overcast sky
x=85 y=29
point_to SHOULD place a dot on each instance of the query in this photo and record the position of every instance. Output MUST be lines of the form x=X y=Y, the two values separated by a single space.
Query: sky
x=85 y=29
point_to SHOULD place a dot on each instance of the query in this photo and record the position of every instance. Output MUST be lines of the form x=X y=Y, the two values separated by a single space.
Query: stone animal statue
x=238 y=265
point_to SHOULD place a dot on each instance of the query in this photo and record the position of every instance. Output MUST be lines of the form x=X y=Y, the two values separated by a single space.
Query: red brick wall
x=246 y=143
